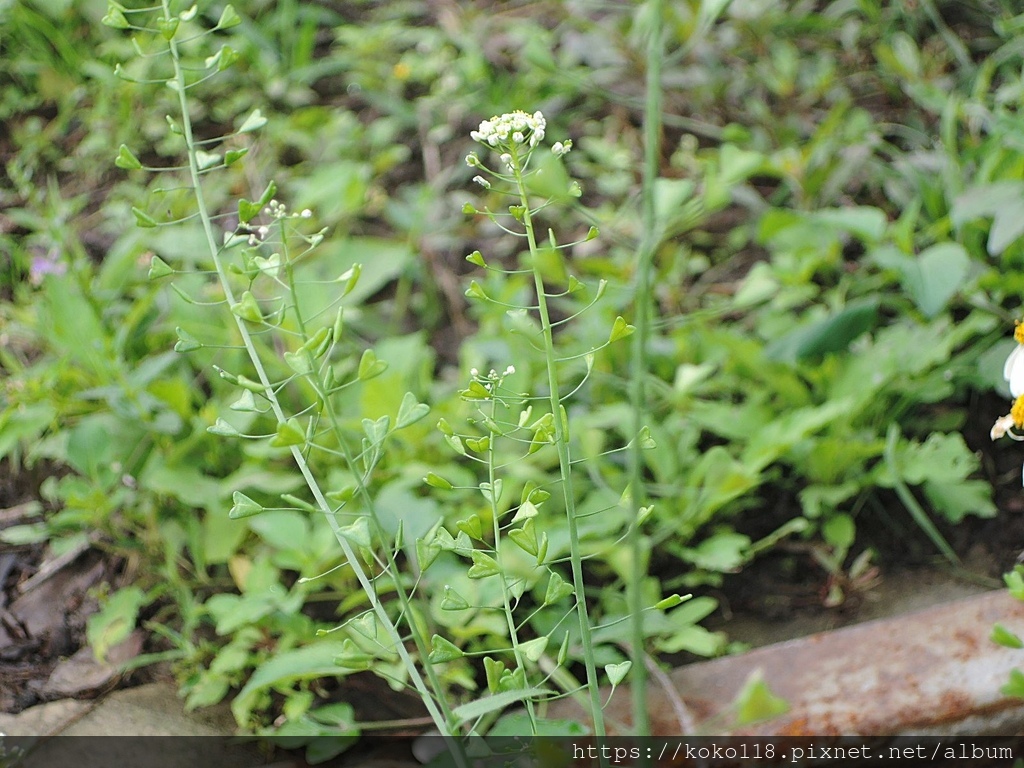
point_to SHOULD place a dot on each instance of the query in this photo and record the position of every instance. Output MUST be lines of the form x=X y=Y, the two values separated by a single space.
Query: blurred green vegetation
x=840 y=213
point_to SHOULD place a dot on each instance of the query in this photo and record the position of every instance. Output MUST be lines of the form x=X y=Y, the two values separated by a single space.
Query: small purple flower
x=43 y=265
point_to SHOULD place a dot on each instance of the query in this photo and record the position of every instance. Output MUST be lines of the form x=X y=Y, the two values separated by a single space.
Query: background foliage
x=841 y=211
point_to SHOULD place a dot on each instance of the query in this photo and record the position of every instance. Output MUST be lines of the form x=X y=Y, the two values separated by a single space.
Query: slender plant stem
x=642 y=321
x=564 y=458
x=428 y=700
x=513 y=633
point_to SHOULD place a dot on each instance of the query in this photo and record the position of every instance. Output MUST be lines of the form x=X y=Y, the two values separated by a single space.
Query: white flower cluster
x=1013 y=371
x=511 y=128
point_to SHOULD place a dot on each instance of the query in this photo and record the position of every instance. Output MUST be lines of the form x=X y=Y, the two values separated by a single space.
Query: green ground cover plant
x=812 y=236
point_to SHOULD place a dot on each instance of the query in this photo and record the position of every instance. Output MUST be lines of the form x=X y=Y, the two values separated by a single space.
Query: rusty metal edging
x=929 y=672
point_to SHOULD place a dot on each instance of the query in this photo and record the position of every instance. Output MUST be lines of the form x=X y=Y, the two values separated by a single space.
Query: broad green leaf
x=115 y=620
x=317 y=660
x=480 y=707
x=831 y=334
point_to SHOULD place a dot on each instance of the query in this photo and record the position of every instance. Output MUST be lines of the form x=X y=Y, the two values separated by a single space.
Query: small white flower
x=560 y=149
x=474 y=372
x=472 y=160
x=506 y=158
x=306 y=213
x=263 y=232
x=482 y=182
x=510 y=370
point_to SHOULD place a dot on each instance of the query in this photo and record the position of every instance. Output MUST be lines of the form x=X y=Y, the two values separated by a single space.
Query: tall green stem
x=564 y=459
x=642 y=321
x=436 y=715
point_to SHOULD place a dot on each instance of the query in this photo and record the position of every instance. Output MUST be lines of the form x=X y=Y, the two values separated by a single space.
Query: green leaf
x=318 y=660
x=756 y=702
x=228 y=18
x=115 y=620
x=127 y=160
x=480 y=707
x=442 y=651
x=620 y=330
x=243 y=506
x=831 y=334
x=143 y=219
x=1005 y=637
x=288 y=433
x=483 y=566
x=370 y=366
x=617 y=672
x=931 y=279
x=410 y=411
x=254 y=121
x=1004 y=201
x=186 y=341
x=247 y=308
x=476 y=258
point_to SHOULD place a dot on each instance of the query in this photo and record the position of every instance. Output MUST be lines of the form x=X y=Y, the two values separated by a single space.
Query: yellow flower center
x=1017 y=412
x=1018 y=332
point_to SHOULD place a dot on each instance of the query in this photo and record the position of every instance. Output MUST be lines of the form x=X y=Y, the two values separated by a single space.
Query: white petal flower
x=1013 y=371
